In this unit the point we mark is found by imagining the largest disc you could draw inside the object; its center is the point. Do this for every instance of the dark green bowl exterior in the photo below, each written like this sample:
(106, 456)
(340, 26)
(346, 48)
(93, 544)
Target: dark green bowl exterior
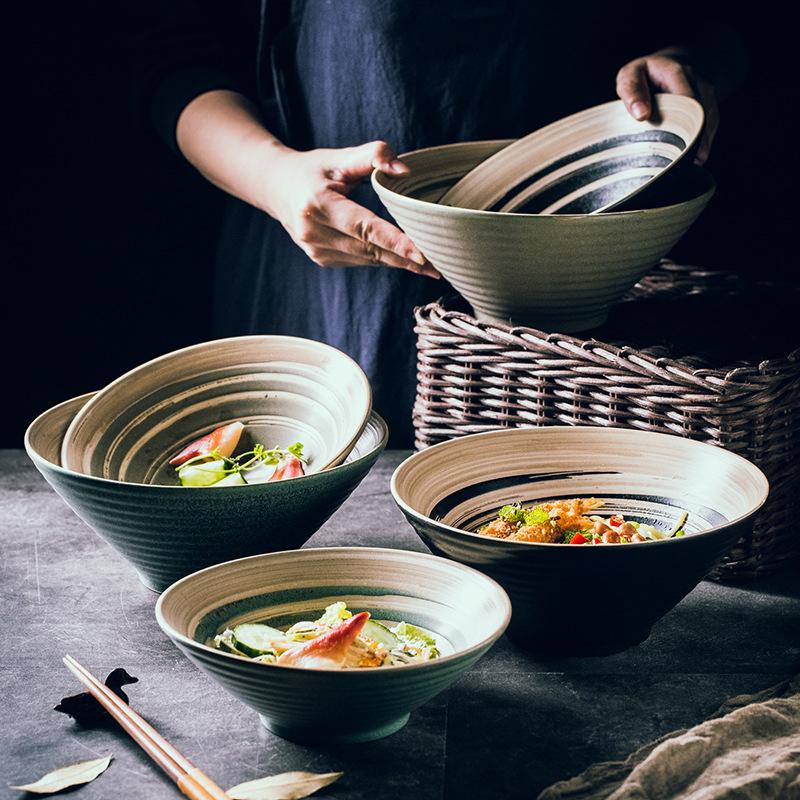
(168, 532)
(590, 600)
(359, 707)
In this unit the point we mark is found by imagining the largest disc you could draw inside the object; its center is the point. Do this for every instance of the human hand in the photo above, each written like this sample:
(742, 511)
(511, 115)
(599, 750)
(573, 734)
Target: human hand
(308, 196)
(668, 71)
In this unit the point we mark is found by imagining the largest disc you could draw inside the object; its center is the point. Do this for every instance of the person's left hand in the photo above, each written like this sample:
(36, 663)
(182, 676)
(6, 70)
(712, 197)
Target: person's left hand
(668, 71)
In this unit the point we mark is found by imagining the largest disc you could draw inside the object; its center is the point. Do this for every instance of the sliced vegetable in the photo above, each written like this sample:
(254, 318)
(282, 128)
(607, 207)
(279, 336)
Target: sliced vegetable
(206, 473)
(256, 639)
(381, 634)
(224, 641)
(221, 442)
(578, 538)
(233, 479)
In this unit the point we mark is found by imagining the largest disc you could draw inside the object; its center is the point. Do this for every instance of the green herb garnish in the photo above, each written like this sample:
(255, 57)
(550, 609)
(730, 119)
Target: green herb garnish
(536, 516)
(512, 514)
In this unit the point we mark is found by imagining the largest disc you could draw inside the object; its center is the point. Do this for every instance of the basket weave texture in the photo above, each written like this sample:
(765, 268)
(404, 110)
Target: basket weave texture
(475, 377)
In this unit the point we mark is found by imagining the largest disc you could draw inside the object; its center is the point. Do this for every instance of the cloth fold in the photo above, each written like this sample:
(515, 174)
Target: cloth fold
(749, 749)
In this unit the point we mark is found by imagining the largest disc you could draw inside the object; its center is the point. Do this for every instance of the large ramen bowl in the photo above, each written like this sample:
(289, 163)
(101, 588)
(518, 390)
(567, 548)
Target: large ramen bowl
(465, 610)
(582, 599)
(166, 532)
(556, 272)
(284, 389)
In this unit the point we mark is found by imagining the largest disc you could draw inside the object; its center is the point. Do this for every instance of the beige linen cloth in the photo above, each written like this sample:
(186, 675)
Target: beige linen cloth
(749, 750)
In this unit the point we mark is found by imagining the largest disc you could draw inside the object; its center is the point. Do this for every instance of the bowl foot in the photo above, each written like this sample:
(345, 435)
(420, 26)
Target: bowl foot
(321, 736)
(153, 587)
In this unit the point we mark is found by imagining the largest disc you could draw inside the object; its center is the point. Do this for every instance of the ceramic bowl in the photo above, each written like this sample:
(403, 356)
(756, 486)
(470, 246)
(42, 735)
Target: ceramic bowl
(285, 389)
(466, 610)
(582, 599)
(167, 532)
(585, 163)
(554, 272)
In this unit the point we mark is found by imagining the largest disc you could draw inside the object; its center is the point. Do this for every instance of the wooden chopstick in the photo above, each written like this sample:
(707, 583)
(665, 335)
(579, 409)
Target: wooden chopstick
(191, 780)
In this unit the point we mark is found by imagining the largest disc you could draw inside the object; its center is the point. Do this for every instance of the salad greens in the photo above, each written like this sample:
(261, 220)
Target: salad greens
(338, 639)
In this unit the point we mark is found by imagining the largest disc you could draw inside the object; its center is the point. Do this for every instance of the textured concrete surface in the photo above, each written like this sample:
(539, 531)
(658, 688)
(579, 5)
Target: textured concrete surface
(512, 726)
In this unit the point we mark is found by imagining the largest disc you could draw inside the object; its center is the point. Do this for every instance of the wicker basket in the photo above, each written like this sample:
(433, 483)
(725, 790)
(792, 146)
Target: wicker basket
(475, 377)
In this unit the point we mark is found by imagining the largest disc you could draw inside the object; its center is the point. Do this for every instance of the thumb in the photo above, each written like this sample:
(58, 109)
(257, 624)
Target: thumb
(354, 163)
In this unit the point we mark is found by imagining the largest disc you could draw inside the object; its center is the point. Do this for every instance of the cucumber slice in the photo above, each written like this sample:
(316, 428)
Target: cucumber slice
(381, 634)
(224, 641)
(203, 474)
(234, 479)
(256, 639)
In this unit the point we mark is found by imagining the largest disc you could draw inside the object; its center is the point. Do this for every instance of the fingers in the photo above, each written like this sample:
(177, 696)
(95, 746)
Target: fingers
(355, 235)
(355, 163)
(347, 252)
(360, 223)
(669, 75)
(348, 248)
(634, 90)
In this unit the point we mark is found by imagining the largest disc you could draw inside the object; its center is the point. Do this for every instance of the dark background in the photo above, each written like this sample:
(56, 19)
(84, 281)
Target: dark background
(110, 238)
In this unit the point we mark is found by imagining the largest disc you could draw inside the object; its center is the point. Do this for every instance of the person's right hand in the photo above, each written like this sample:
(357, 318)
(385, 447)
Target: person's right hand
(308, 196)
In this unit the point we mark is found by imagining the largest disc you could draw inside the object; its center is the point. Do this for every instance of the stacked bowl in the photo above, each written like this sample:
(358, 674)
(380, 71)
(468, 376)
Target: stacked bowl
(108, 454)
(552, 229)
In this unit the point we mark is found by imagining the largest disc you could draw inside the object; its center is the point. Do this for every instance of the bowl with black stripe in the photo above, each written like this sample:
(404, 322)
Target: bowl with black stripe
(555, 272)
(598, 159)
(168, 531)
(463, 609)
(584, 599)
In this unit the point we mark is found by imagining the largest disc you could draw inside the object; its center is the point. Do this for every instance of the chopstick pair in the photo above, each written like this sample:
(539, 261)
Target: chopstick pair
(190, 780)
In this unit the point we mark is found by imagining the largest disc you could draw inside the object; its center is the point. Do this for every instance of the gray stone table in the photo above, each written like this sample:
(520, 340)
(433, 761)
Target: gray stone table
(513, 725)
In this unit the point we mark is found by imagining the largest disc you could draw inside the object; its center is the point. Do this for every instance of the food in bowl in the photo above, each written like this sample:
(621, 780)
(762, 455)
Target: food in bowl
(569, 522)
(337, 640)
(209, 461)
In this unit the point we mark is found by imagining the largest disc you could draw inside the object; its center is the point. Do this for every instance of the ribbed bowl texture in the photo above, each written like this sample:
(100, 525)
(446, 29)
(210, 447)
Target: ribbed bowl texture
(166, 532)
(284, 388)
(582, 599)
(463, 607)
(554, 272)
(588, 162)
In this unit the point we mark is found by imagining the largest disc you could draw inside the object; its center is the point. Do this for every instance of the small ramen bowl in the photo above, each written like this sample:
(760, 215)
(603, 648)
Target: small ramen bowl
(582, 599)
(284, 388)
(166, 532)
(464, 609)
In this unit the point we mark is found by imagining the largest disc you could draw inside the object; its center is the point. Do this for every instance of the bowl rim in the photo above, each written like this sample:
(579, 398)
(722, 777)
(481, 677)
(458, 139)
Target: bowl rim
(485, 643)
(576, 429)
(36, 457)
(181, 352)
(657, 98)
(414, 203)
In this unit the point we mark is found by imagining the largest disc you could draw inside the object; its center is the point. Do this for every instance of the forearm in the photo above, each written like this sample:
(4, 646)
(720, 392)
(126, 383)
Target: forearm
(221, 135)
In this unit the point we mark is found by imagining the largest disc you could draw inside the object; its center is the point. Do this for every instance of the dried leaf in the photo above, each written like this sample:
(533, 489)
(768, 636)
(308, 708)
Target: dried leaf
(73, 775)
(86, 711)
(286, 786)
